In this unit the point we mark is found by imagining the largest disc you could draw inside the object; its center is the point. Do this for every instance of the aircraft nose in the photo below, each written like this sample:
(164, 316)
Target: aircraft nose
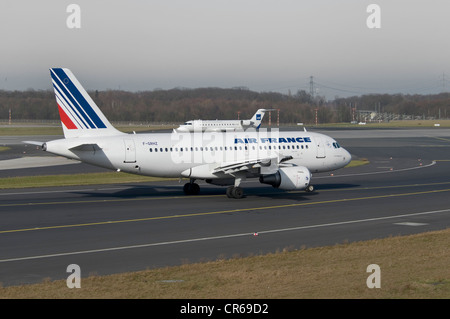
(347, 156)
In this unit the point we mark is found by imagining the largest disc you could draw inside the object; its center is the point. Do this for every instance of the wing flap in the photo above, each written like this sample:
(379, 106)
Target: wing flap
(230, 168)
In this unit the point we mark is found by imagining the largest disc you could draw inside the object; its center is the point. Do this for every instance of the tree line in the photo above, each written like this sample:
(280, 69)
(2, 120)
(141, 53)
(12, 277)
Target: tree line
(181, 104)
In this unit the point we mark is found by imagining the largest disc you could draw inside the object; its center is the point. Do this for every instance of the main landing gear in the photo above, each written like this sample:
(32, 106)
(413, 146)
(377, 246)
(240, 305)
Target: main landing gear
(235, 192)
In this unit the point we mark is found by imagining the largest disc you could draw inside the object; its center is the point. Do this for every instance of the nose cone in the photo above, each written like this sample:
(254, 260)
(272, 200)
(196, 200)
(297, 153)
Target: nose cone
(346, 156)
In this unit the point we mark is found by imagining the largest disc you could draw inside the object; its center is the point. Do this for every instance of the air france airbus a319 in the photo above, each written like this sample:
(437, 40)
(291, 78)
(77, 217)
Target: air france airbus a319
(284, 160)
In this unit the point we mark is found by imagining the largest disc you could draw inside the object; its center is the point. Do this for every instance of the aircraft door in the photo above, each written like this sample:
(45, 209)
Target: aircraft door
(130, 151)
(320, 147)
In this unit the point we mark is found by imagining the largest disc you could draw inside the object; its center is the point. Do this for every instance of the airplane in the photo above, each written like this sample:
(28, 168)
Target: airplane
(282, 159)
(223, 125)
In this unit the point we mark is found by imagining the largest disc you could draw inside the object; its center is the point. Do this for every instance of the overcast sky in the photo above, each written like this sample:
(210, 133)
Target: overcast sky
(265, 45)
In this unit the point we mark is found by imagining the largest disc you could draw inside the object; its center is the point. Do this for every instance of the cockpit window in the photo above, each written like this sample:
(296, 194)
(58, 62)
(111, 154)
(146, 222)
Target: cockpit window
(336, 145)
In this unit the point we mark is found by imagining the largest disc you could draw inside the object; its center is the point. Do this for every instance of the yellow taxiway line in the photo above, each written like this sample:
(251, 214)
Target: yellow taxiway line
(213, 212)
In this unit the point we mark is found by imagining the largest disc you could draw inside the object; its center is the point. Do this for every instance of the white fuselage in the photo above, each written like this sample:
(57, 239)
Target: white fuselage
(211, 126)
(173, 154)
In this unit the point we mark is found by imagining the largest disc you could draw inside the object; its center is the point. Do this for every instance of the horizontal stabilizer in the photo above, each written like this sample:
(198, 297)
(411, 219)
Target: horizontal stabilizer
(34, 143)
(86, 147)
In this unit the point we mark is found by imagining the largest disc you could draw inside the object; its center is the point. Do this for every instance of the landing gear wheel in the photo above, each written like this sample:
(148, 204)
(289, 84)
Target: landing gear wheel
(195, 189)
(229, 191)
(191, 189)
(309, 189)
(235, 192)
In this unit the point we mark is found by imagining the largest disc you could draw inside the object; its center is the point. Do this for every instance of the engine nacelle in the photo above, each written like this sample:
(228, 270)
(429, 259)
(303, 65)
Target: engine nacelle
(247, 123)
(288, 178)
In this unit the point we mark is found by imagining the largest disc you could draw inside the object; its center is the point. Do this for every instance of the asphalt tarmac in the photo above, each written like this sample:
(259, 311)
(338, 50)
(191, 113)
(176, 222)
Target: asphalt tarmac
(108, 229)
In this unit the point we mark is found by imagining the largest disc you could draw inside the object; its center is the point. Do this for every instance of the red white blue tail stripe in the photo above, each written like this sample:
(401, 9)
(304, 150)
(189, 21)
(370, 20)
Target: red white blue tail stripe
(80, 116)
(75, 110)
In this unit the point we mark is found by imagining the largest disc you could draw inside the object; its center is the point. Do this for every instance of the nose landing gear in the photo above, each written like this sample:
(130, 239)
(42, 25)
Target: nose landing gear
(191, 188)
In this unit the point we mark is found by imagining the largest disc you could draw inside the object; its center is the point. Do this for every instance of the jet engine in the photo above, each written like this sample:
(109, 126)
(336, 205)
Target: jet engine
(288, 178)
(247, 123)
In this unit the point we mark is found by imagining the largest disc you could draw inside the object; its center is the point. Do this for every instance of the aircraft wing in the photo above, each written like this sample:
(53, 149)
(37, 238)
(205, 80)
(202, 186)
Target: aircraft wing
(267, 164)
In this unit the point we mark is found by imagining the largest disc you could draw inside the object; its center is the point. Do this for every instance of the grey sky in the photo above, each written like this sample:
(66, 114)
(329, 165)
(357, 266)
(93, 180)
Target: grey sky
(261, 44)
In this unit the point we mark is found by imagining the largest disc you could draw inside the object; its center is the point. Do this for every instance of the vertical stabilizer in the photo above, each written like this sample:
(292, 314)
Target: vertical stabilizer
(257, 118)
(80, 116)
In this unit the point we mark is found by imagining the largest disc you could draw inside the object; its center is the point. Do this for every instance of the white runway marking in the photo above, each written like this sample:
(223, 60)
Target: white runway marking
(35, 161)
(381, 172)
(410, 224)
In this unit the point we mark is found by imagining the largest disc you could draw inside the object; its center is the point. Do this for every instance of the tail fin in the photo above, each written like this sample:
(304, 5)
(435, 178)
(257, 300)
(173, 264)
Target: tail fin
(80, 116)
(257, 118)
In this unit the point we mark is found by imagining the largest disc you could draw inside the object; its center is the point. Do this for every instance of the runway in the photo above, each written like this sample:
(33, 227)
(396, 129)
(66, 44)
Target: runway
(108, 229)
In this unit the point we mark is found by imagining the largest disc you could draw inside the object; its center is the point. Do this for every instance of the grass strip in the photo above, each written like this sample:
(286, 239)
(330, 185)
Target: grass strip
(360, 162)
(74, 179)
(414, 266)
(57, 130)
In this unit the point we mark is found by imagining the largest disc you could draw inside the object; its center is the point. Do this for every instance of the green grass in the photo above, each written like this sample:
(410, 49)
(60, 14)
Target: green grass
(360, 162)
(57, 130)
(74, 179)
(42, 130)
(392, 124)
